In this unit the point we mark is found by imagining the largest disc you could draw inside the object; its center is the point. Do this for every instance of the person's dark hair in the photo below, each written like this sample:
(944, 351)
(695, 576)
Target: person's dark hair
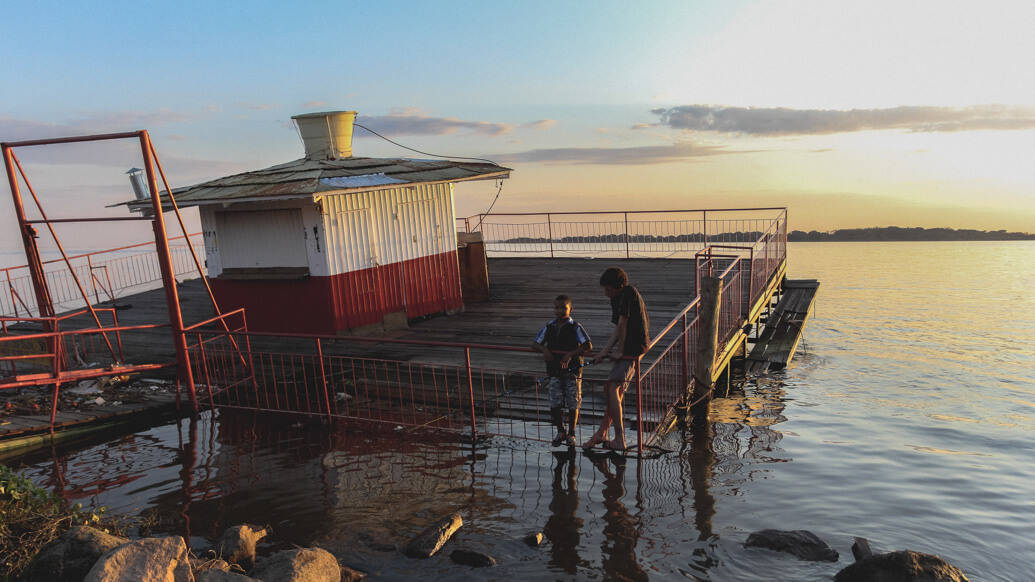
(614, 277)
(563, 298)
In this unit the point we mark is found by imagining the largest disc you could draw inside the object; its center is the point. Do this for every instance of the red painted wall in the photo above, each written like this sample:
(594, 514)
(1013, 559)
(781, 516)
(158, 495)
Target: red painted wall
(330, 304)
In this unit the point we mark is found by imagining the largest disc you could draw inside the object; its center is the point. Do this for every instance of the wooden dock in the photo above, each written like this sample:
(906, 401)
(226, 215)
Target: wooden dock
(521, 302)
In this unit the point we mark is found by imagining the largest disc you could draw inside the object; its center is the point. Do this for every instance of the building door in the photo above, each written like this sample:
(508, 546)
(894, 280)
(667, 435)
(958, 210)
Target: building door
(362, 292)
(421, 237)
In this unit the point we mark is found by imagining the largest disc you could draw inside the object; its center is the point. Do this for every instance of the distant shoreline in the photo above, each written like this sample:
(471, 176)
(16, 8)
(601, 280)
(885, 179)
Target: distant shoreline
(900, 234)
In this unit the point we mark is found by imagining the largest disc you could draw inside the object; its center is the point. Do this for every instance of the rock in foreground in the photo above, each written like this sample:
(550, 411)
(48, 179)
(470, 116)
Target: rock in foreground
(801, 543)
(301, 565)
(237, 545)
(70, 557)
(902, 566)
(158, 559)
(431, 540)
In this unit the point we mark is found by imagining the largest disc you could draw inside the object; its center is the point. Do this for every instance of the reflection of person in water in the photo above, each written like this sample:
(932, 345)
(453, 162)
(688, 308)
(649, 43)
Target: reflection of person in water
(562, 528)
(621, 530)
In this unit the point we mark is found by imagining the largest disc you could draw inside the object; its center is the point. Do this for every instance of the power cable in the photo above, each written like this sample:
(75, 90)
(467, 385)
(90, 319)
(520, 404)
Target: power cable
(420, 152)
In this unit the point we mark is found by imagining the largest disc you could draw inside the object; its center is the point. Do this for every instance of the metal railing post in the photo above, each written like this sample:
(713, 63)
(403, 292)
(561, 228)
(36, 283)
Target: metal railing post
(686, 356)
(626, 214)
(470, 392)
(204, 370)
(323, 377)
(549, 232)
(639, 408)
(172, 297)
(93, 279)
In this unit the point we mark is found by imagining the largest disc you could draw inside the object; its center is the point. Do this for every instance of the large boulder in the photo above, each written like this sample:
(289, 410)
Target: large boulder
(431, 540)
(69, 557)
(801, 543)
(901, 566)
(299, 565)
(237, 545)
(153, 559)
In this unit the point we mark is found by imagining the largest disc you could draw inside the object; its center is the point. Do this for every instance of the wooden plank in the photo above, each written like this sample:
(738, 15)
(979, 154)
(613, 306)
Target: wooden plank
(779, 340)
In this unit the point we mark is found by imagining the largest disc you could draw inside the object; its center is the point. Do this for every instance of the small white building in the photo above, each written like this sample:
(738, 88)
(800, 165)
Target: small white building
(332, 242)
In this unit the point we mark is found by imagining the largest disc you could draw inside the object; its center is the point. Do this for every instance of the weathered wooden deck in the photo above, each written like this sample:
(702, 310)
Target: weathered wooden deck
(521, 302)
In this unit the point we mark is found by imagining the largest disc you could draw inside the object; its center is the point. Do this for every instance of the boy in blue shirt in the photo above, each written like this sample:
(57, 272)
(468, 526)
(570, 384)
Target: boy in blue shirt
(562, 343)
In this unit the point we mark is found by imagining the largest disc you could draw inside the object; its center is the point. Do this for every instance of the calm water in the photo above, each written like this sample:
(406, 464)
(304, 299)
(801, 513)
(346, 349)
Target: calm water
(909, 420)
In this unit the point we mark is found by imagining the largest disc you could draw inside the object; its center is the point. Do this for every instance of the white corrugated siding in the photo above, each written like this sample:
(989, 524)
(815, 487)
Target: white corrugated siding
(382, 227)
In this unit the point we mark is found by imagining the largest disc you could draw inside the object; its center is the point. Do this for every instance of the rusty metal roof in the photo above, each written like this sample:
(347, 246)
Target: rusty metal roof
(305, 177)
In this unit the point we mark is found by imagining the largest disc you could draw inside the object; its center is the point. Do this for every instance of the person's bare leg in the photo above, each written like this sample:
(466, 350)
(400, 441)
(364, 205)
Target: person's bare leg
(605, 423)
(614, 402)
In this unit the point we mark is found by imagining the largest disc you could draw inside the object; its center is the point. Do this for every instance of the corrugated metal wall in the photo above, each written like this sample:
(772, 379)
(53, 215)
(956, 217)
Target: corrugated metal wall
(392, 250)
(370, 254)
(388, 226)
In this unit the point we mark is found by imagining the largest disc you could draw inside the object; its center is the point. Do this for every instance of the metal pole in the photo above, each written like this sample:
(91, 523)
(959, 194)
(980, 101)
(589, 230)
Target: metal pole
(639, 409)
(57, 374)
(93, 279)
(626, 214)
(470, 392)
(204, 370)
(549, 232)
(323, 376)
(10, 290)
(32, 254)
(686, 356)
(172, 298)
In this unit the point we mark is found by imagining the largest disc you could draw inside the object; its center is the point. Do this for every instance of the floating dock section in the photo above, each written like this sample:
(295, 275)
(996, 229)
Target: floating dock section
(783, 329)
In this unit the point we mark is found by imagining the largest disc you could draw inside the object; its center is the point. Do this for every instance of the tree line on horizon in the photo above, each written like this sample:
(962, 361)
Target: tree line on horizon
(898, 233)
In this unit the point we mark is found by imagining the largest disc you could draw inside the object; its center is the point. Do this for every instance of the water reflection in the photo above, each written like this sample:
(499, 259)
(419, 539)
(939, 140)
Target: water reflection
(362, 493)
(562, 528)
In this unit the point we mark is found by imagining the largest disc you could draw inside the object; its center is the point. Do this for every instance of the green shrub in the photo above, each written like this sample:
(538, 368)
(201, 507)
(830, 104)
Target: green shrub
(31, 517)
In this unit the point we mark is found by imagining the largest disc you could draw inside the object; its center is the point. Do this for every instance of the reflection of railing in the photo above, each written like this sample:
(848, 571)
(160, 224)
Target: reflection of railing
(107, 275)
(629, 234)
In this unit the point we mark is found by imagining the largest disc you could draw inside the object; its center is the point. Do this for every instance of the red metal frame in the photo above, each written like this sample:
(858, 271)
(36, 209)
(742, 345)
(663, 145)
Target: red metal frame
(235, 375)
(44, 299)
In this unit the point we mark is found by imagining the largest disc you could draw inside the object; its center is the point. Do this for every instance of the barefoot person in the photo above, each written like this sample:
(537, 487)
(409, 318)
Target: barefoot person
(629, 340)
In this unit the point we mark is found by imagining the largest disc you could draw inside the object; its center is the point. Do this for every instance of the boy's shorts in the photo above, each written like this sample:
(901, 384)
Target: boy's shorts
(565, 391)
(623, 371)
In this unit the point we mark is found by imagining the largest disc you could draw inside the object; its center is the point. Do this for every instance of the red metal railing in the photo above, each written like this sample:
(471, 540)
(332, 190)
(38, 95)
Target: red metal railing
(109, 275)
(44, 358)
(320, 376)
(327, 376)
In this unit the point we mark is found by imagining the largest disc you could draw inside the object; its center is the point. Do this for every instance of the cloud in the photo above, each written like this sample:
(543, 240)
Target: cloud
(256, 106)
(778, 121)
(617, 156)
(412, 122)
(12, 129)
(542, 124)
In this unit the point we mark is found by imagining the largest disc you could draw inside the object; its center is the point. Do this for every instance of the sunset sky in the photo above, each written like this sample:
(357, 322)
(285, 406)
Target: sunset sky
(852, 114)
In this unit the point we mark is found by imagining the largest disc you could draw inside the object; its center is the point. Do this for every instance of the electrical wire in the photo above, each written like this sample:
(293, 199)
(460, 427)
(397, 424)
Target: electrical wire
(499, 188)
(481, 217)
(420, 152)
